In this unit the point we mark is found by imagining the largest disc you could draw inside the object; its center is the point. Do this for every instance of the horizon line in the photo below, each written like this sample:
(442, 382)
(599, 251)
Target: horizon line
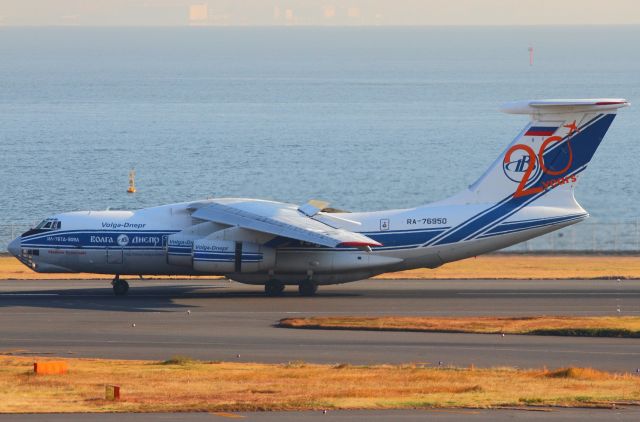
(196, 26)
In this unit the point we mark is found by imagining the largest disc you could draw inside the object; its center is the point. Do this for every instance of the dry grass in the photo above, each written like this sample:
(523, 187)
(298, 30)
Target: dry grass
(617, 326)
(531, 267)
(198, 386)
(482, 267)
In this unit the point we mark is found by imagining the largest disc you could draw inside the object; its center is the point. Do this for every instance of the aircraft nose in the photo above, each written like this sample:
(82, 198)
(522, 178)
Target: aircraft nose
(14, 247)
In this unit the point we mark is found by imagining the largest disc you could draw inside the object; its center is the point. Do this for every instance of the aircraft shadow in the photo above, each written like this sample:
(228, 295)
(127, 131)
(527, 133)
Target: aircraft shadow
(140, 298)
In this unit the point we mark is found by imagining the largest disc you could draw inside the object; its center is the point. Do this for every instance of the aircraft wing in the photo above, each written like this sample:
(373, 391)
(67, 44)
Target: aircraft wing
(280, 219)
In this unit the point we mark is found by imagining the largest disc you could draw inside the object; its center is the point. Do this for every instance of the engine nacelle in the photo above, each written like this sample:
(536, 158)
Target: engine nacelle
(323, 261)
(179, 250)
(179, 247)
(226, 256)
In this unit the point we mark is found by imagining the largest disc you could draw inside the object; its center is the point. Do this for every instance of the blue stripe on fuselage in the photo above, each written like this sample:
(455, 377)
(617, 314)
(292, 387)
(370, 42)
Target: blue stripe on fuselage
(87, 239)
(225, 257)
(402, 238)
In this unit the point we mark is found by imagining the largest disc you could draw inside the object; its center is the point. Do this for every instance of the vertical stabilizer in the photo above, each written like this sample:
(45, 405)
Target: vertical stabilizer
(550, 153)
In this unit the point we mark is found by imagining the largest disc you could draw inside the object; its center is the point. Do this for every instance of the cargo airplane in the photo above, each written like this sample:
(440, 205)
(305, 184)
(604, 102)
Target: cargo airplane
(527, 191)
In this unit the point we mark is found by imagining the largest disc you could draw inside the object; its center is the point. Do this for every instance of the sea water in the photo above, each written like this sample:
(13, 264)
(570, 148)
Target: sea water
(366, 118)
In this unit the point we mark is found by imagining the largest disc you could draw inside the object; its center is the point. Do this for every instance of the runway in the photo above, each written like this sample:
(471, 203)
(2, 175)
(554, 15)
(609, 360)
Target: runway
(221, 320)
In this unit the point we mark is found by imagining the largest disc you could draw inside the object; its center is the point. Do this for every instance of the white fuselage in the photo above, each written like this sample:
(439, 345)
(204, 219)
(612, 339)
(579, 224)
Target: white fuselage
(136, 242)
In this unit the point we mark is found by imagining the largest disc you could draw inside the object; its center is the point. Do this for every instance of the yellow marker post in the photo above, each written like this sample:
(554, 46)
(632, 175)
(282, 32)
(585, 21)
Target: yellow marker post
(132, 181)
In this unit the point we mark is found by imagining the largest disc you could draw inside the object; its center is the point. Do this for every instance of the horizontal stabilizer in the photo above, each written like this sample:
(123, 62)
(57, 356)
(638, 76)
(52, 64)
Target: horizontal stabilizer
(563, 106)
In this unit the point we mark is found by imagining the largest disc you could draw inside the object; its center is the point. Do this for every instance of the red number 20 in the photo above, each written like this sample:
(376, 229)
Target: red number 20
(521, 190)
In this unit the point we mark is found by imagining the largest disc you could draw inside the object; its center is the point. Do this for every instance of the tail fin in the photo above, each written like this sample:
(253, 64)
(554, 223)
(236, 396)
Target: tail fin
(549, 154)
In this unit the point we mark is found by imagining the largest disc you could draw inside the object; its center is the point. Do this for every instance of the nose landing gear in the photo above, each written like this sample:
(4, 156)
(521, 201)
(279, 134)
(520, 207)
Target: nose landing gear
(120, 287)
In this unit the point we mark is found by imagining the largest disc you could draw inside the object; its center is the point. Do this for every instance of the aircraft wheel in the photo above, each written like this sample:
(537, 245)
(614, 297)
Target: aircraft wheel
(274, 288)
(307, 288)
(120, 287)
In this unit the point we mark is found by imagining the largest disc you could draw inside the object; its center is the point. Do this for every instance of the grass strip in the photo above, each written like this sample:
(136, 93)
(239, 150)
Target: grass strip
(604, 326)
(494, 266)
(191, 385)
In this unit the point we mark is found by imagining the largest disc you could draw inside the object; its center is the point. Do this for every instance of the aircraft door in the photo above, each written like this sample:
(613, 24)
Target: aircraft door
(114, 256)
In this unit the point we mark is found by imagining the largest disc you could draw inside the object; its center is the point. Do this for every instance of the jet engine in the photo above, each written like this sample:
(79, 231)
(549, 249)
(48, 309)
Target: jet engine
(227, 256)
(179, 250)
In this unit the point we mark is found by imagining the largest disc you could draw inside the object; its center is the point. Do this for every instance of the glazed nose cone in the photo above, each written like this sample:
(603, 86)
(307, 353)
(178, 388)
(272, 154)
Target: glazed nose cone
(14, 247)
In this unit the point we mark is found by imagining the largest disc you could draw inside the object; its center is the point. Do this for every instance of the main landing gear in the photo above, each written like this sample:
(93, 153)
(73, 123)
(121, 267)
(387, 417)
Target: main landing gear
(120, 287)
(307, 288)
(274, 288)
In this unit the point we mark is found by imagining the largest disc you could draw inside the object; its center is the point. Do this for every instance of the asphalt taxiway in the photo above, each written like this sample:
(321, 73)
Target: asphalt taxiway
(221, 320)
(541, 414)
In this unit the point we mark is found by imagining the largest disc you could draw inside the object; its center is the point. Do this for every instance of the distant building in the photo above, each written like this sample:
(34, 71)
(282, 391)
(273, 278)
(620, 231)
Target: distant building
(288, 15)
(353, 12)
(198, 14)
(329, 12)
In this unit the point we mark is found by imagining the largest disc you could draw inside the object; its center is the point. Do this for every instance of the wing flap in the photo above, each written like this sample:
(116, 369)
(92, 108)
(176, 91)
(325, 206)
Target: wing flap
(281, 220)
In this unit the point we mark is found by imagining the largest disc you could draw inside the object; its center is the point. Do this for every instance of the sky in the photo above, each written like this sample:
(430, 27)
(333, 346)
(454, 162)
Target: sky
(317, 12)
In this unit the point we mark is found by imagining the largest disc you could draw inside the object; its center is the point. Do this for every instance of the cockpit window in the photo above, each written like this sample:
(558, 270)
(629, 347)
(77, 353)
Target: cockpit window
(49, 224)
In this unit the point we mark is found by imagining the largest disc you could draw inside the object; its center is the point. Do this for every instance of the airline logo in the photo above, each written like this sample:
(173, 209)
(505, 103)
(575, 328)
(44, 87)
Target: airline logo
(123, 240)
(519, 164)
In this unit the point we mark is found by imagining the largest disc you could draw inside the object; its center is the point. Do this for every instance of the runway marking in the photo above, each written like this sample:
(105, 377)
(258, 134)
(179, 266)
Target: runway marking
(455, 411)
(436, 295)
(228, 415)
(626, 293)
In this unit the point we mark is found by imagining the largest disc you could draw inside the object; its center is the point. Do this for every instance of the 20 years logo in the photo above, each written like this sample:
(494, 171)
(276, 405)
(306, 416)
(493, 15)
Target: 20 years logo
(522, 164)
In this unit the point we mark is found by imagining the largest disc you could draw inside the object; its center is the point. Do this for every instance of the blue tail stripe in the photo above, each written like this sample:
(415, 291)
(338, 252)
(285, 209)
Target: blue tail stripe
(527, 224)
(583, 144)
(484, 236)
